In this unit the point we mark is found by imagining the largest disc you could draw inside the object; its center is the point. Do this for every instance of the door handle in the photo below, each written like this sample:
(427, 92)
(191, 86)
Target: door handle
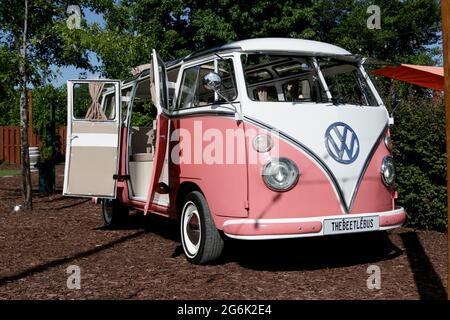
(73, 137)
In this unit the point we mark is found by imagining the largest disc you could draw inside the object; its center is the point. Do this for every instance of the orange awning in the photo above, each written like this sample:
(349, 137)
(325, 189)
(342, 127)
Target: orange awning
(424, 76)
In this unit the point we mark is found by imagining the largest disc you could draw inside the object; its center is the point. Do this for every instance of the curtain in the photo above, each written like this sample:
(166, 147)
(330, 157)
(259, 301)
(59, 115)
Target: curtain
(95, 111)
(153, 85)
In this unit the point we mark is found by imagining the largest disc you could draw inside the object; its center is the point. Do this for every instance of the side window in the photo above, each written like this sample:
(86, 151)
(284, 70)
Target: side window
(163, 86)
(265, 93)
(94, 101)
(188, 87)
(203, 96)
(297, 90)
(143, 112)
(109, 106)
(193, 94)
(172, 76)
(126, 98)
(226, 71)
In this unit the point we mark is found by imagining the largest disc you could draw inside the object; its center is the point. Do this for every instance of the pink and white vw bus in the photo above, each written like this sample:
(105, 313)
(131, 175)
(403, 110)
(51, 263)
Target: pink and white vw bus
(257, 139)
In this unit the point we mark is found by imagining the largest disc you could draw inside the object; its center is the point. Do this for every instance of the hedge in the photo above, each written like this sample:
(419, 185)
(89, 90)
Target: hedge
(421, 161)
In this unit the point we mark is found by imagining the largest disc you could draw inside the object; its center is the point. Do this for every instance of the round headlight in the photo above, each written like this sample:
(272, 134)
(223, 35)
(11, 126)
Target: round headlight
(388, 171)
(388, 142)
(280, 174)
(262, 143)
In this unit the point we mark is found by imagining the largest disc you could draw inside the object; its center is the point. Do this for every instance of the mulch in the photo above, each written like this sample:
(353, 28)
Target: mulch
(144, 260)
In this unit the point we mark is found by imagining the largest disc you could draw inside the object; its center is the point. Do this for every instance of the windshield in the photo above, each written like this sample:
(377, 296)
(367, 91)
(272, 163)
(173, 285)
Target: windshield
(298, 79)
(346, 83)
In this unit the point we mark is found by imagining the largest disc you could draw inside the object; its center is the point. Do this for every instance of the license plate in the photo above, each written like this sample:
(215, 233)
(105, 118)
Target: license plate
(351, 225)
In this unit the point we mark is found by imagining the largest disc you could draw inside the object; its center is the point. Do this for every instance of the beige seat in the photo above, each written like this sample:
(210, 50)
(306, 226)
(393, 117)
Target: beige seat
(142, 157)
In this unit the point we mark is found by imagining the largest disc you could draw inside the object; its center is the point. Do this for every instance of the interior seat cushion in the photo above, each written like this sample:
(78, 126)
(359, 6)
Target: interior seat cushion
(142, 157)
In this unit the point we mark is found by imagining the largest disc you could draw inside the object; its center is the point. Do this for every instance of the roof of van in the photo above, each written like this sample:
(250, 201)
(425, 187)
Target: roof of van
(298, 46)
(287, 44)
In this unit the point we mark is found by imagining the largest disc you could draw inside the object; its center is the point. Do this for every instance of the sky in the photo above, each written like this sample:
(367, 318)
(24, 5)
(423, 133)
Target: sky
(68, 73)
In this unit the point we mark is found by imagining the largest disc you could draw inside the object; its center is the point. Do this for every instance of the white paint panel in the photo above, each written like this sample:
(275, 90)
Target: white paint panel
(308, 123)
(287, 44)
(95, 140)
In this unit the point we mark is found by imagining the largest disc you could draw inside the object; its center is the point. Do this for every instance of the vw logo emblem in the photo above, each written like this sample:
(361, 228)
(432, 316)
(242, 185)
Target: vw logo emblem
(342, 143)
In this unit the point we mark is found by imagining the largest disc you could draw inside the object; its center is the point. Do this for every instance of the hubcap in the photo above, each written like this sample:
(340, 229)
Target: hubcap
(191, 228)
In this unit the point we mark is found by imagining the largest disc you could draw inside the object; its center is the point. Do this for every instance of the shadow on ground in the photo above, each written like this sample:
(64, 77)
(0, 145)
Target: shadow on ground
(58, 262)
(285, 255)
(312, 253)
(428, 283)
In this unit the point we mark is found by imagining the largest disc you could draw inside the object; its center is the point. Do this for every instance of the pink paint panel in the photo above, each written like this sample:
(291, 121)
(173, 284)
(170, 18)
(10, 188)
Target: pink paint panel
(373, 195)
(255, 229)
(313, 195)
(393, 219)
(206, 161)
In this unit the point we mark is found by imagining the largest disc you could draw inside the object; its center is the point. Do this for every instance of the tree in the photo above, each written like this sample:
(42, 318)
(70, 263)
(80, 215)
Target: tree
(133, 28)
(178, 27)
(37, 36)
(23, 79)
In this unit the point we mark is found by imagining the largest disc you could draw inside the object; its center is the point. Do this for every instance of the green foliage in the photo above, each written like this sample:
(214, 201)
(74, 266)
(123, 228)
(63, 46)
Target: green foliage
(9, 99)
(141, 120)
(420, 157)
(406, 27)
(178, 27)
(4, 173)
(81, 100)
(143, 114)
(43, 99)
(9, 109)
(50, 41)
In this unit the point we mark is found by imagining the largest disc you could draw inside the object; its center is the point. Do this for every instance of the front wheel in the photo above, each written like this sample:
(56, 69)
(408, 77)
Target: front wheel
(202, 242)
(114, 214)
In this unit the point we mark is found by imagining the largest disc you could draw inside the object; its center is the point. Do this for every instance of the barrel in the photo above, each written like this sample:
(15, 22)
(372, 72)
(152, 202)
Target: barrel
(34, 158)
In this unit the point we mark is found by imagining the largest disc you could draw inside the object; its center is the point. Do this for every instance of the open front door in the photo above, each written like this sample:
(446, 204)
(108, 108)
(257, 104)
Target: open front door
(159, 91)
(93, 138)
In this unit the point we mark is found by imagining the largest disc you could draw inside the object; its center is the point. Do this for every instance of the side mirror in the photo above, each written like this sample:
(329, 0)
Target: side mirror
(212, 81)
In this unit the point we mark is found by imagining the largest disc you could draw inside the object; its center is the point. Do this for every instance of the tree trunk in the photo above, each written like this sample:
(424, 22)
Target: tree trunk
(26, 175)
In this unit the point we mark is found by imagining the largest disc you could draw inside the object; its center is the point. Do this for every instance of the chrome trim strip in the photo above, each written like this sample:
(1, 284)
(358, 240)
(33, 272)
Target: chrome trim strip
(200, 113)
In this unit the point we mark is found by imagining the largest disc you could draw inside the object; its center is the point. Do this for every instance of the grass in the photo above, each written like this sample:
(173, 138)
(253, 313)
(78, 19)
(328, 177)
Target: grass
(9, 172)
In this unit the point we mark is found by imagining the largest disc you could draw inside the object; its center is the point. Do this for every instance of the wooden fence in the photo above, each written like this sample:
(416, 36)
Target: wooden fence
(10, 143)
